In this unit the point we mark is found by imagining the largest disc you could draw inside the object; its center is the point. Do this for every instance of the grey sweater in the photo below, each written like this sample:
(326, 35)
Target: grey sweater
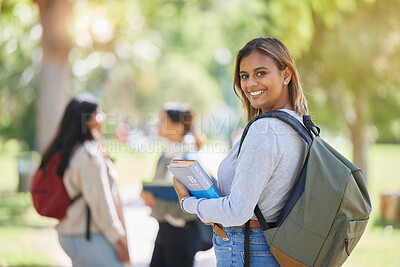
(265, 171)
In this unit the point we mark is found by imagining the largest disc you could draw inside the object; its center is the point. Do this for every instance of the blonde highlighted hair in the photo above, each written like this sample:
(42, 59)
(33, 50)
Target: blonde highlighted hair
(274, 49)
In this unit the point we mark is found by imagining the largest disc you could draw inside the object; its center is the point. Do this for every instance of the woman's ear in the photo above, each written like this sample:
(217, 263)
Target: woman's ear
(287, 75)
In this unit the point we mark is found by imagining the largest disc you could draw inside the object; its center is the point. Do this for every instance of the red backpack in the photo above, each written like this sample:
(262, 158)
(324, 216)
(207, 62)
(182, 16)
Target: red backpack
(49, 196)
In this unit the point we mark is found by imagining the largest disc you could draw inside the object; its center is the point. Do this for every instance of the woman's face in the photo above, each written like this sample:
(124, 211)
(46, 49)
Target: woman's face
(96, 121)
(263, 83)
(169, 129)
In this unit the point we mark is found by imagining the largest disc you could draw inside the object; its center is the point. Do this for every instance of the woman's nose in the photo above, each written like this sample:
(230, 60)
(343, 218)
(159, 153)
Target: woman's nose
(252, 82)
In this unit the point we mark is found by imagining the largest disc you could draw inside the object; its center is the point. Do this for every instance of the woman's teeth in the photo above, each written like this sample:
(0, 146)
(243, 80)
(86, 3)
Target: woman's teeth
(256, 93)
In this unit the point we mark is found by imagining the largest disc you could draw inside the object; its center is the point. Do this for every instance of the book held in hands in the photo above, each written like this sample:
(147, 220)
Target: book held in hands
(192, 175)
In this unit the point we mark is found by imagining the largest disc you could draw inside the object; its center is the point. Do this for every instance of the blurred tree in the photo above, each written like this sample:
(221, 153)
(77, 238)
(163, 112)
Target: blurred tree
(150, 39)
(352, 67)
(135, 55)
(53, 91)
(134, 64)
(20, 58)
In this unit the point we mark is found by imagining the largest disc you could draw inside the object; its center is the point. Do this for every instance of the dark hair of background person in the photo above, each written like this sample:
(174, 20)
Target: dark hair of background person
(276, 50)
(183, 114)
(72, 130)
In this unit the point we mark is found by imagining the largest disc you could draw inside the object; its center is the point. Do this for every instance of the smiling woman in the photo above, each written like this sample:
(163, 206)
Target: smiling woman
(265, 79)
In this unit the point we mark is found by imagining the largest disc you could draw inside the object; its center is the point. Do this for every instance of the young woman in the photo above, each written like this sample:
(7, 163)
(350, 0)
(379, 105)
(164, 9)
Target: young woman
(265, 79)
(178, 237)
(89, 176)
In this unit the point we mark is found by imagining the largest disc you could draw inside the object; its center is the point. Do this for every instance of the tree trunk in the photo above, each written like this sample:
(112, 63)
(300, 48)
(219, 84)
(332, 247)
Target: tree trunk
(359, 139)
(53, 92)
(359, 134)
(355, 114)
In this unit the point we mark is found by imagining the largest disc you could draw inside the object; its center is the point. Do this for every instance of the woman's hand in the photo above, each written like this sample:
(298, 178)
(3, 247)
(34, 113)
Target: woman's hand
(122, 250)
(180, 189)
(148, 198)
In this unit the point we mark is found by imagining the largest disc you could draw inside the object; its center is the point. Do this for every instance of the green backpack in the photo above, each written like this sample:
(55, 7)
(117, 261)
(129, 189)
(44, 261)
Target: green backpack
(327, 210)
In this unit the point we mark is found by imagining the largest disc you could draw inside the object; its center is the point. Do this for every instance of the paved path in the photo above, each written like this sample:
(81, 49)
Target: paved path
(142, 231)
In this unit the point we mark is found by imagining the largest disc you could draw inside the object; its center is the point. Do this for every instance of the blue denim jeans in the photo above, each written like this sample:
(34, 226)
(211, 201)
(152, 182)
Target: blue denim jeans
(230, 253)
(97, 252)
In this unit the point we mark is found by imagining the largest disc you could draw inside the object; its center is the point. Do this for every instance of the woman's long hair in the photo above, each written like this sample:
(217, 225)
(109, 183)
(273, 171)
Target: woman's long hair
(274, 49)
(183, 114)
(72, 130)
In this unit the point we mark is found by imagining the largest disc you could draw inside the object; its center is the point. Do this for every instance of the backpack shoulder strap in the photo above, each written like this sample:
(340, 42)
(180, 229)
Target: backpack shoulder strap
(305, 131)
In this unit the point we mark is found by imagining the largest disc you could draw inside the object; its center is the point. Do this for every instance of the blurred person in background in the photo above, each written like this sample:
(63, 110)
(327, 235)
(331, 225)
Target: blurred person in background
(179, 237)
(93, 231)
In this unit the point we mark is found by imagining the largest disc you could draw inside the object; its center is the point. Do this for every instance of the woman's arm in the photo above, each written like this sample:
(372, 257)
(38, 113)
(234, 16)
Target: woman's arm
(259, 156)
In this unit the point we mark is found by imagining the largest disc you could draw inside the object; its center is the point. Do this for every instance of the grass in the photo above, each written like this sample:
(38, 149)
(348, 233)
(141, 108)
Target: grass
(133, 167)
(9, 176)
(20, 224)
(22, 231)
(379, 245)
(19, 247)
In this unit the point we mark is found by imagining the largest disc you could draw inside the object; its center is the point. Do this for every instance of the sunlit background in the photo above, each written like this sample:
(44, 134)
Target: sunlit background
(136, 55)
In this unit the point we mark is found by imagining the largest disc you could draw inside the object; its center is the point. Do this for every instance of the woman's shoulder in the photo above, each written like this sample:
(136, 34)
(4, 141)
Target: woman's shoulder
(264, 126)
(87, 153)
(93, 148)
(273, 125)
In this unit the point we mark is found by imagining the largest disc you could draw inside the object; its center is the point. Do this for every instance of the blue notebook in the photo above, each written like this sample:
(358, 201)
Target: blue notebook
(161, 189)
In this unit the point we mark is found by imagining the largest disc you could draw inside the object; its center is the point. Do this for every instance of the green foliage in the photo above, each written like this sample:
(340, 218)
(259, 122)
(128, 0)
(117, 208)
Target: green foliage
(9, 169)
(147, 52)
(13, 208)
(348, 63)
(135, 55)
(20, 57)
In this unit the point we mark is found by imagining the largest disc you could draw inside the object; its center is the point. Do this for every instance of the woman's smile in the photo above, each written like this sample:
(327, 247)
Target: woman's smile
(257, 93)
